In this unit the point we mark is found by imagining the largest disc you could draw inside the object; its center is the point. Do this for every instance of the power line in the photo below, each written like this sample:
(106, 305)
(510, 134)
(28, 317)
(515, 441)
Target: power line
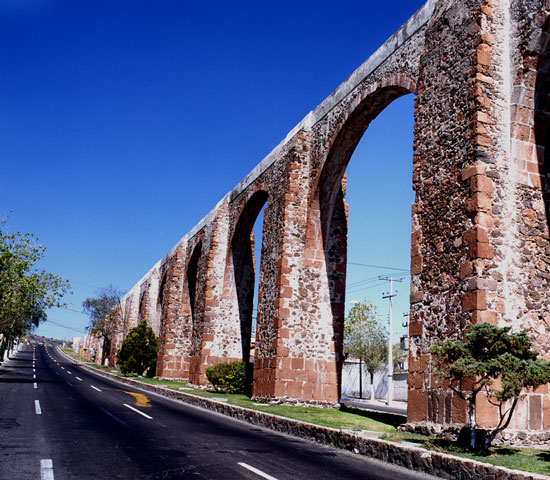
(65, 326)
(378, 266)
(71, 310)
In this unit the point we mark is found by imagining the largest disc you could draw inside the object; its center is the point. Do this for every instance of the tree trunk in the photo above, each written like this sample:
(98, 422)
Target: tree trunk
(472, 412)
(372, 385)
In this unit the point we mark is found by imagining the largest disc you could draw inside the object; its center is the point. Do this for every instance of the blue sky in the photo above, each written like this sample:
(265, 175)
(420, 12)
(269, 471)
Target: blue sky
(123, 122)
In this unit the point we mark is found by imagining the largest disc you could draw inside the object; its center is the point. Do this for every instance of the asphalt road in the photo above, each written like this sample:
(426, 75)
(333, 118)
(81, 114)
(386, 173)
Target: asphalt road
(57, 421)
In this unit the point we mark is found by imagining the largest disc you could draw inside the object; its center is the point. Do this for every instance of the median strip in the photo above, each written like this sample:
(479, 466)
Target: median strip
(256, 471)
(137, 411)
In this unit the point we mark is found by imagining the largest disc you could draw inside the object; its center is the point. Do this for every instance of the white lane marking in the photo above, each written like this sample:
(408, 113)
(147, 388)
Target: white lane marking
(70, 373)
(33, 377)
(62, 368)
(68, 383)
(113, 417)
(46, 469)
(35, 385)
(78, 378)
(256, 471)
(137, 411)
(95, 388)
(37, 408)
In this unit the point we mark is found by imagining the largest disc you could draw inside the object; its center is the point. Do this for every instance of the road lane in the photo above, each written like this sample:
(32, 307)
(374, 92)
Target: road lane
(93, 433)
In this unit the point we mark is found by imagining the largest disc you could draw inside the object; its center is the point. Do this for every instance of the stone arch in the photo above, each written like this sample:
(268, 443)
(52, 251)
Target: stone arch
(328, 214)
(244, 268)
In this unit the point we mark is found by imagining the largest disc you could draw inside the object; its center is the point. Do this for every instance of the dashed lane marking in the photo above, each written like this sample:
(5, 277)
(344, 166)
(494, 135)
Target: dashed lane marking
(46, 469)
(95, 388)
(106, 412)
(35, 385)
(70, 373)
(78, 378)
(137, 411)
(256, 471)
(37, 408)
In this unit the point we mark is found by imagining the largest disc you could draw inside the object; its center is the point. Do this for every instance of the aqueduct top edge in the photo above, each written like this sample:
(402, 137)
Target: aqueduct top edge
(407, 30)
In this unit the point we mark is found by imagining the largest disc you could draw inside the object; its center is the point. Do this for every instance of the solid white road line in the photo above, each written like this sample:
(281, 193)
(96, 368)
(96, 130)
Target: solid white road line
(46, 469)
(113, 417)
(256, 471)
(37, 408)
(35, 385)
(68, 383)
(137, 411)
(95, 388)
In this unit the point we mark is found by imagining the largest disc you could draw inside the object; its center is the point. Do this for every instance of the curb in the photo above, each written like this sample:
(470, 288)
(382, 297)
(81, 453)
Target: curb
(413, 458)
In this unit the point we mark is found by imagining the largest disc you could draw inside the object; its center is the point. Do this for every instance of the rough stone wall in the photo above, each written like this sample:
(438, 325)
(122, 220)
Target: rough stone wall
(482, 157)
(480, 247)
(445, 213)
(530, 153)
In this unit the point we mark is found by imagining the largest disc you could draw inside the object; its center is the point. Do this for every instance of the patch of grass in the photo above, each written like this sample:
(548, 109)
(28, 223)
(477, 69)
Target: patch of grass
(174, 385)
(526, 459)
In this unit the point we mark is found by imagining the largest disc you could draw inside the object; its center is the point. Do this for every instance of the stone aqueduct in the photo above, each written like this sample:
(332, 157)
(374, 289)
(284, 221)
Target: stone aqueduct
(480, 249)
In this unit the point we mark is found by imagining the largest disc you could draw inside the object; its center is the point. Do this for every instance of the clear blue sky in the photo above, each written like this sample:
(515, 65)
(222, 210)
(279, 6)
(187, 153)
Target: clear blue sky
(123, 122)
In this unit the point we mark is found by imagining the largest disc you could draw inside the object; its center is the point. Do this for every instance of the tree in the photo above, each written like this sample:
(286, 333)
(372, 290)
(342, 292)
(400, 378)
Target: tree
(366, 339)
(25, 291)
(490, 353)
(105, 314)
(138, 353)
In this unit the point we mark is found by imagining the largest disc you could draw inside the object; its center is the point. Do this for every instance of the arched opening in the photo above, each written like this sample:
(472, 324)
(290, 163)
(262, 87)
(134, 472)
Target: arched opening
(160, 312)
(192, 273)
(542, 114)
(349, 233)
(161, 300)
(141, 308)
(246, 258)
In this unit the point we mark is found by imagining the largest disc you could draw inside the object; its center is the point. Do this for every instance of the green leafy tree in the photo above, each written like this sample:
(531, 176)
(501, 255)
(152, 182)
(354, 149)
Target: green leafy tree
(138, 353)
(366, 339)
(490, 353)
(26, 293)
(105, 314)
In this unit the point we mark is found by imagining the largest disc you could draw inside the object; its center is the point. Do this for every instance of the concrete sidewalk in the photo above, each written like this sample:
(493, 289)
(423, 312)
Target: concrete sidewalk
(395, 407)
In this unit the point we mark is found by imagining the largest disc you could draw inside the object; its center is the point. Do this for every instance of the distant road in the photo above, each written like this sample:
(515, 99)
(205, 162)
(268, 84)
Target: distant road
(57, 421)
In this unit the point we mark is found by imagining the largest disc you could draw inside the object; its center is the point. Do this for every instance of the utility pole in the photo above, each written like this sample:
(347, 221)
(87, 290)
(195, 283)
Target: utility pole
(390, 343)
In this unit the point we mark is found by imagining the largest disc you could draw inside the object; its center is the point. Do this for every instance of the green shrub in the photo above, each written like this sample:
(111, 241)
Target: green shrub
(229, 377)
(138, 353)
